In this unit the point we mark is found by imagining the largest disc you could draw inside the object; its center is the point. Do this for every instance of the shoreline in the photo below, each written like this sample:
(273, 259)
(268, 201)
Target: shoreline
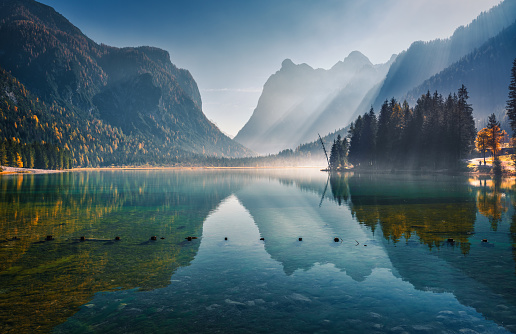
(33, 171)
(472, 169)
(20, 171)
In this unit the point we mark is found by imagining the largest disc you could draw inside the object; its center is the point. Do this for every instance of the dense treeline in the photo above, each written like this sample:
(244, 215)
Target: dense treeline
(338, 154)
(511, 104)
(34, 155)
(437, 133)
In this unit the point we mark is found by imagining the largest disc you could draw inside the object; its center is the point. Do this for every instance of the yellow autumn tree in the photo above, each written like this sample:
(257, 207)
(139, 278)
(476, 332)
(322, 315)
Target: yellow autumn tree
(19, 161)
(481, 142)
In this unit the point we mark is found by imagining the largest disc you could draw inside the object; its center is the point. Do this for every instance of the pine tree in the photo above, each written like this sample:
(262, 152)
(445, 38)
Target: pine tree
(368, 138)
(355, 142)
(495, 136)
(342, 151)
(432, 131)
(449, 130)
(411, 142)
(465, 123)
(338, 154)
(511, 104)
(3, 153)
(334, 156)
(383, 136)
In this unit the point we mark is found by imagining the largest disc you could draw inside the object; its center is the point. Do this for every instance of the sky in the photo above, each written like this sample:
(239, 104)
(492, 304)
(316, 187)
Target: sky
(232, 47)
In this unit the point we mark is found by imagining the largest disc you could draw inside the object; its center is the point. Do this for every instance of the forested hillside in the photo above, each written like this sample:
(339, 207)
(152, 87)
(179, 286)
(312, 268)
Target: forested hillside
(105, 105)
(425, 59)
(485, 71)
(26, 120)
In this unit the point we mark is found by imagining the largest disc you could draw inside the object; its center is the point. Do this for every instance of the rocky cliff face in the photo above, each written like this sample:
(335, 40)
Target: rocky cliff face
(138, 90)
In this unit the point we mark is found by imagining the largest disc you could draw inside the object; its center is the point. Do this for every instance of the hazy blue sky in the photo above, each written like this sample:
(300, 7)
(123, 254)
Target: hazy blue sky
(231, 47)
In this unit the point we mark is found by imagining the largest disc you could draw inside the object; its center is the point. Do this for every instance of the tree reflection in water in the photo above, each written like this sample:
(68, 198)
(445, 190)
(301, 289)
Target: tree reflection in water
(432, 210)
(435, 213)
(42, 283)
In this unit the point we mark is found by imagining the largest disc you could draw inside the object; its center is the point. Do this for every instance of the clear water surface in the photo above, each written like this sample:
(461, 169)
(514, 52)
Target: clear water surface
(394, 268)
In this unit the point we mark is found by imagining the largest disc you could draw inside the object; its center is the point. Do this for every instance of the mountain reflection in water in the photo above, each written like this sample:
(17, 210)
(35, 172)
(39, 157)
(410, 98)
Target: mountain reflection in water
(246, 284)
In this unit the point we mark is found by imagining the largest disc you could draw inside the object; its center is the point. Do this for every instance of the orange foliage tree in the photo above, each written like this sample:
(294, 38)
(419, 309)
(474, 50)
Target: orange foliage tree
(490, 138)
(481, 142)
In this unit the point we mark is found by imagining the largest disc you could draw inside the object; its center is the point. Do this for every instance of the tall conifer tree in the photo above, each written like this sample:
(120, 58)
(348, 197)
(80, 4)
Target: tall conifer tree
(466, 131)
(495, 136)
(511, 104)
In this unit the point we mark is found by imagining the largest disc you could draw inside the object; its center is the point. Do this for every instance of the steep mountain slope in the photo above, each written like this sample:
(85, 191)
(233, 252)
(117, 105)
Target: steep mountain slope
(136, 90)
(425, 59)
(26, 119)
(340, 110)
(298, 102)
(485, 72)
(282, 92)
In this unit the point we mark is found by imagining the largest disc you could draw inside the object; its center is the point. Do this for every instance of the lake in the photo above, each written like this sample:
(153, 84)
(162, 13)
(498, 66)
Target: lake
(354, 253)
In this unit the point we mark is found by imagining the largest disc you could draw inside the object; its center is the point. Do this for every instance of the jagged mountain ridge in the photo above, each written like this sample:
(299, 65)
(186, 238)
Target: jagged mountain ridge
(60, 65)
(407, 77)
(298, 102)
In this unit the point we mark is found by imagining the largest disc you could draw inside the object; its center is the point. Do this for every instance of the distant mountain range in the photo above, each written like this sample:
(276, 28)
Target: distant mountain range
(298, 102)
(150, 108)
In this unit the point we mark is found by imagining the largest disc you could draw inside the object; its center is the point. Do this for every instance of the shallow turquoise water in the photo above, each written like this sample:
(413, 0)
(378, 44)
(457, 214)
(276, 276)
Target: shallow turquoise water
(393, 269)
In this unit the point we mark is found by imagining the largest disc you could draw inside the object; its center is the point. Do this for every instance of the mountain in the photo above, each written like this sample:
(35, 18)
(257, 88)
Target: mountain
(298, 102)
(137, 91)
(349, 98)
(425, 59)
(485, 72)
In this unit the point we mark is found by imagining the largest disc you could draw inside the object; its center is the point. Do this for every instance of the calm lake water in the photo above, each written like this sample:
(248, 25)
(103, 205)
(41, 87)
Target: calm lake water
(393, 269)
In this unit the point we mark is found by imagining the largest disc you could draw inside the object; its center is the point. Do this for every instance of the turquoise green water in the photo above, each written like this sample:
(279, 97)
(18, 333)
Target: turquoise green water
(393, 269)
